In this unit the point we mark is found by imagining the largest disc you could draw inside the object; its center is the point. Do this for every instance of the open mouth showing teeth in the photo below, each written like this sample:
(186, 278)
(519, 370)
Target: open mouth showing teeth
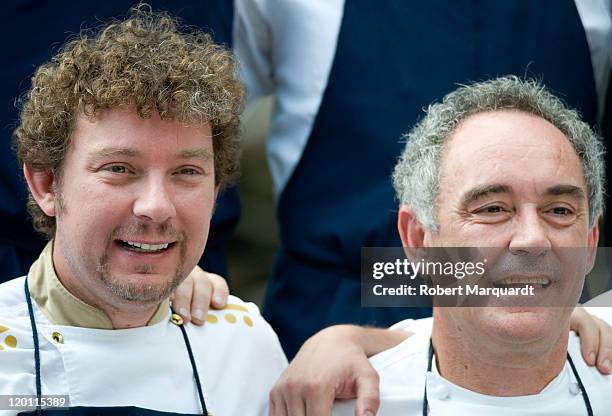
(143, 247)
(538, 282)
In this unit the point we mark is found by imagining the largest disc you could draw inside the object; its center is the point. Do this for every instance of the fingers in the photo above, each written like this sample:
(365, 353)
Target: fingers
(368, 394)
(220, 290)
(272, 407)
(181, 299)
(202, 293)
(604, 355)
(209, 289)
(319, 398)
(277, 403)
(314, 380)
(295, 405)
(595, 339)
(193, 297)
(588, 330)
(297, 398)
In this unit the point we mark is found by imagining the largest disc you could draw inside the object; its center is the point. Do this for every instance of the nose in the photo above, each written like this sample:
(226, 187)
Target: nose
(154, 202)
(529, 234)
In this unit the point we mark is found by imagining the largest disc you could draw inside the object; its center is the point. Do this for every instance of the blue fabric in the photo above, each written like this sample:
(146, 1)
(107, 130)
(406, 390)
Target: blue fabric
(32, 31)
(392, 59)
(102, 411)
(607, 135)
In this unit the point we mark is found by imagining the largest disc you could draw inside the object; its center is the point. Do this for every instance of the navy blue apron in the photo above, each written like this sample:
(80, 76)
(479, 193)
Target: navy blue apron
(607, 135)
(392, 59)
(105, 411)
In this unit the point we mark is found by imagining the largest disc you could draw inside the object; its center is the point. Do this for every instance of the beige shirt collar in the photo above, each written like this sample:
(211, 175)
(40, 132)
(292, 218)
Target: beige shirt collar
(63, 308)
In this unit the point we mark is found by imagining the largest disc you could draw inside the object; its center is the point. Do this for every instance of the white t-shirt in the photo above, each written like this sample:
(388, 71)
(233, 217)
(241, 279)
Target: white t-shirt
(403, 374)
(237, 353)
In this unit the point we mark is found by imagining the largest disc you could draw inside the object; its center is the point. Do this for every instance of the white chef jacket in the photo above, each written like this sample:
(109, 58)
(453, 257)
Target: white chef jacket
(237, 354)
(403, 374)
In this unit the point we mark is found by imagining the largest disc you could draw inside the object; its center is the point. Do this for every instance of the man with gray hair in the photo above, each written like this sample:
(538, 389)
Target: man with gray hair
(501, 164)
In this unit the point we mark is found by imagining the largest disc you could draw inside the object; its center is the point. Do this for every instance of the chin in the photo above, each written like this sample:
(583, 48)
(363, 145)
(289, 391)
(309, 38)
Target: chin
(143, 288)
(525, 326)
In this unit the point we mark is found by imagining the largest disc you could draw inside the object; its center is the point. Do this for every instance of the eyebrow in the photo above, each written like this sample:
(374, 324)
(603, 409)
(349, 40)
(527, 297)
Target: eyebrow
(569, 190)
(110, 151)
(114, 151)
(479, 192)
(200, 153)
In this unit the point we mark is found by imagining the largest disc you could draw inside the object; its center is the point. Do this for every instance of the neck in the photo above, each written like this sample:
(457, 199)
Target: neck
(123, 320)
(122, 314)
(489, 366)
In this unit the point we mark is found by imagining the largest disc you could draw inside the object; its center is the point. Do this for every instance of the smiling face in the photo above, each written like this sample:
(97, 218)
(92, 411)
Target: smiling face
(513, 181)
(133, 207)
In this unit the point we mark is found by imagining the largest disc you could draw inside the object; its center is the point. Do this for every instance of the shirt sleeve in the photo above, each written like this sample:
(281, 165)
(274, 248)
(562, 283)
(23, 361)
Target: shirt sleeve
(252, 39)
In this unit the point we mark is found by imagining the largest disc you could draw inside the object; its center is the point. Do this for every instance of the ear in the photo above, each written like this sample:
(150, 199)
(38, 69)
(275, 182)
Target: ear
(592, 242)
(41, 187)
(214, 208)
(411, 231)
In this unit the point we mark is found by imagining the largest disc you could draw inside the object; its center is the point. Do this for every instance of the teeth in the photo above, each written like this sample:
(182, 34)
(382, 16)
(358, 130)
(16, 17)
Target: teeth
(147, 247)
(526, 280)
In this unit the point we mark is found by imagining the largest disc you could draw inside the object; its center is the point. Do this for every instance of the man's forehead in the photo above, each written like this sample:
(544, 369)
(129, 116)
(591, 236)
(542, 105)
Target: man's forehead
(507, 136)
(122, 131)
(127, 114)
(506, 127)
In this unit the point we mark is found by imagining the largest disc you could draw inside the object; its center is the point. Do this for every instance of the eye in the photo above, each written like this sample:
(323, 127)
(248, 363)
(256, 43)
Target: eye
(117, 169)
(493, 209)
(188, 171)
(490, 209)
(561, 214)
(492, 213)
(561, 211)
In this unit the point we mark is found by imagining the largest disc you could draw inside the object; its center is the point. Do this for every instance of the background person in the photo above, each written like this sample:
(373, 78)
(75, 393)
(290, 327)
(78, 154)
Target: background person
(349, 78)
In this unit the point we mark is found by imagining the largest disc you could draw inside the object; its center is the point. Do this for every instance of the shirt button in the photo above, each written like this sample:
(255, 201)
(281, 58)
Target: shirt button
(176, 319)
(440, 392)
(444, 393)
(57, 337)
(574, 388)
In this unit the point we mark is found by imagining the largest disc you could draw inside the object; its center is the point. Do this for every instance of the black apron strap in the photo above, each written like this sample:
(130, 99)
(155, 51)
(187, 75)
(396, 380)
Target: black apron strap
(585, 396)
(36, 345)
(194, 367)
(430, 356)
(117, 410)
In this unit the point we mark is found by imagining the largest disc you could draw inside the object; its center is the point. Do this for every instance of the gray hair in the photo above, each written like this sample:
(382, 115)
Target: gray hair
(416, 177)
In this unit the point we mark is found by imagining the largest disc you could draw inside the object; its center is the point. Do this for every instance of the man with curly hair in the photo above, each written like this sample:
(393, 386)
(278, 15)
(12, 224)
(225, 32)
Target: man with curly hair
(126, 137)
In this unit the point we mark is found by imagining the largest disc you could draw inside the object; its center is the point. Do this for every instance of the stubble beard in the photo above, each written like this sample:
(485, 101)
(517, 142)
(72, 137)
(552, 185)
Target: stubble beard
(141, 292)
(131, 291)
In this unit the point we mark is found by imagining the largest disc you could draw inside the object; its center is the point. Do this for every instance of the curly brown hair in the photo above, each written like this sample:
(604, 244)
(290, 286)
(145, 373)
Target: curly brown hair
(148, 61)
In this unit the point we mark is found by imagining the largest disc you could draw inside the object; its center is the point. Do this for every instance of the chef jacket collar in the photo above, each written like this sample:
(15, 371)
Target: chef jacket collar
(63, 308)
